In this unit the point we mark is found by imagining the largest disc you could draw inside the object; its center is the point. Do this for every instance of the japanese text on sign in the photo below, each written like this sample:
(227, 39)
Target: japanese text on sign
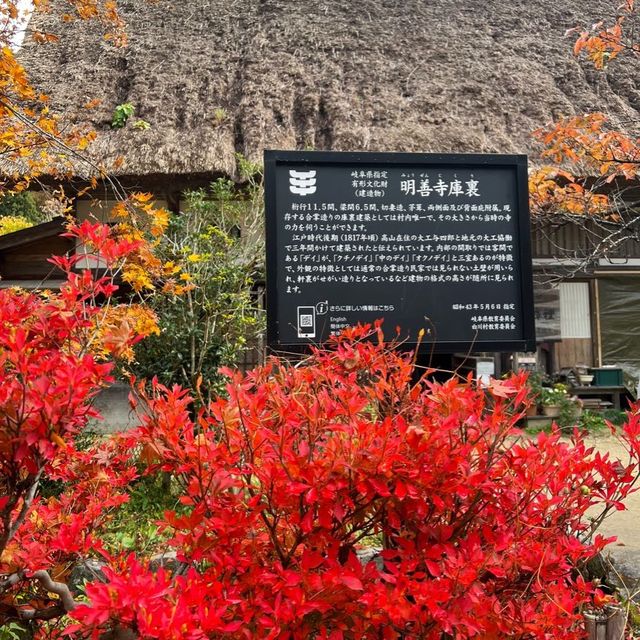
(423, 245)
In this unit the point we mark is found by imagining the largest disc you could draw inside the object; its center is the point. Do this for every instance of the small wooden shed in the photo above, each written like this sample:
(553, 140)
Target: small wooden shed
(24, 255)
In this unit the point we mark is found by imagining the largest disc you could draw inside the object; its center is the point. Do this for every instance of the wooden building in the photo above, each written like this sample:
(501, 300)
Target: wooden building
(24, 256)
(586, 313)
(212, 79)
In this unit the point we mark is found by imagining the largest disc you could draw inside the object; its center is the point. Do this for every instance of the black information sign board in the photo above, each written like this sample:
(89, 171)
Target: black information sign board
(425, 241)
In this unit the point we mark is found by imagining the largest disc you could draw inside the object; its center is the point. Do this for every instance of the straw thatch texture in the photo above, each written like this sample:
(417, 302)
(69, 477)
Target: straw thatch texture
(214, 77)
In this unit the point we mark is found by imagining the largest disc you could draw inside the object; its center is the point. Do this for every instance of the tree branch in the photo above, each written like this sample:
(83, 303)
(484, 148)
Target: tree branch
(59, 588)
(11, 581)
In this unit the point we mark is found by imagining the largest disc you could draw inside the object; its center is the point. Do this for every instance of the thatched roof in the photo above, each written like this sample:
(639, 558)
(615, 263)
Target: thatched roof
(214, 77)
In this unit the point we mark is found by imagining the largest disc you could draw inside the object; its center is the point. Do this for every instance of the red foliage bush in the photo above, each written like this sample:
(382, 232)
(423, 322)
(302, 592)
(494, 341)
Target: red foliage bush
(482, 533)
(477, 531)
(54, 358)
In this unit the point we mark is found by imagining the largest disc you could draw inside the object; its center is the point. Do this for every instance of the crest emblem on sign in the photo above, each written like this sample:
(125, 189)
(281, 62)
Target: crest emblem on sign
(302, 183)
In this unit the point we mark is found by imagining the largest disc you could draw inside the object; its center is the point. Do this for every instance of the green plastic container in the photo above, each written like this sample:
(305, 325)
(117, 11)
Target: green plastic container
(607, 377)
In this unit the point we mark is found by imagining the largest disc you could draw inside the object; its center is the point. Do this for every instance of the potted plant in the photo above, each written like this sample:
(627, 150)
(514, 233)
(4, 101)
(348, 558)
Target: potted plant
(552, 399)
(584, 377)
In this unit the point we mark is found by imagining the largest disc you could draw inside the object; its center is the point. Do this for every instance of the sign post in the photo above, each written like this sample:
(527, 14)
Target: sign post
(424, 241)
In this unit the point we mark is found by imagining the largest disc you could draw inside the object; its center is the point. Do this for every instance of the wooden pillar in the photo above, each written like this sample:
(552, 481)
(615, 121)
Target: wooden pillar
(173, 202)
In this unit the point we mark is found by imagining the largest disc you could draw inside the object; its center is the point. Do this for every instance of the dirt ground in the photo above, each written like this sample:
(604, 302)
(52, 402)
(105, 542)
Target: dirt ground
(625, 525)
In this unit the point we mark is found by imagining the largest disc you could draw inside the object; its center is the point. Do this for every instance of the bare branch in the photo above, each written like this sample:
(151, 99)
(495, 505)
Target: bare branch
(10, 531)
(11, 580)
(59, 588)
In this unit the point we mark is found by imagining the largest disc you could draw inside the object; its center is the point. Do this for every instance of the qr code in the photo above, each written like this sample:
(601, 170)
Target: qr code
(306, 320)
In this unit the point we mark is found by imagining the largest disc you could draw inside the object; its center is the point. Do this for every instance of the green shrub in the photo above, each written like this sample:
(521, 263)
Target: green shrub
(133, 526)
(615, 416)
(9, 224)
(592, 421)
(22, 205)
(218, 241)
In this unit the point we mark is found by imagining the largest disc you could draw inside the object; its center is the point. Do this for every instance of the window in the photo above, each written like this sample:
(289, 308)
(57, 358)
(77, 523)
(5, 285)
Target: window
(575, 312)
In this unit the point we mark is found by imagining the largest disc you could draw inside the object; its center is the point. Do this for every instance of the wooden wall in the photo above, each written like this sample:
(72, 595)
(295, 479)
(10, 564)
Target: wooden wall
(29, 261)
(572, 351)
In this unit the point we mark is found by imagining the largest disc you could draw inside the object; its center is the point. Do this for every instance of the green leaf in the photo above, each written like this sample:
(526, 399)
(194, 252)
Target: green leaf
(121, 114)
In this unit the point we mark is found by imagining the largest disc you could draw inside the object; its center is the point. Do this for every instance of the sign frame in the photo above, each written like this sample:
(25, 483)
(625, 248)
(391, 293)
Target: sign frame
(354, 159)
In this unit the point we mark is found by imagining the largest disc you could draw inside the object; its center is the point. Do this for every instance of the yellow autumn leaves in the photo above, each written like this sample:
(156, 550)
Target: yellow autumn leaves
(143, 224)
(116, 326)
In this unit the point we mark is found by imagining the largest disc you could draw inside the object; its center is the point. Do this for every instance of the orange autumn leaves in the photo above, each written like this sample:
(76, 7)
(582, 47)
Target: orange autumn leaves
(119, 328)
(126, 249)
(35, 142)
(106, 11)
(580, 146)
(588, 145)
(141, 223)
(602, 43)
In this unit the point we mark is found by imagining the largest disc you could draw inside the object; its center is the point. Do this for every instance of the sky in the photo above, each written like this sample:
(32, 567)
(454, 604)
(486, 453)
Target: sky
(24, 6)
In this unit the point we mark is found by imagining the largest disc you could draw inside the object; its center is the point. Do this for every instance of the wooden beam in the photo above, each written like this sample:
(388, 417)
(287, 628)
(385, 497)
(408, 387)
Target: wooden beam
(31, 234)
